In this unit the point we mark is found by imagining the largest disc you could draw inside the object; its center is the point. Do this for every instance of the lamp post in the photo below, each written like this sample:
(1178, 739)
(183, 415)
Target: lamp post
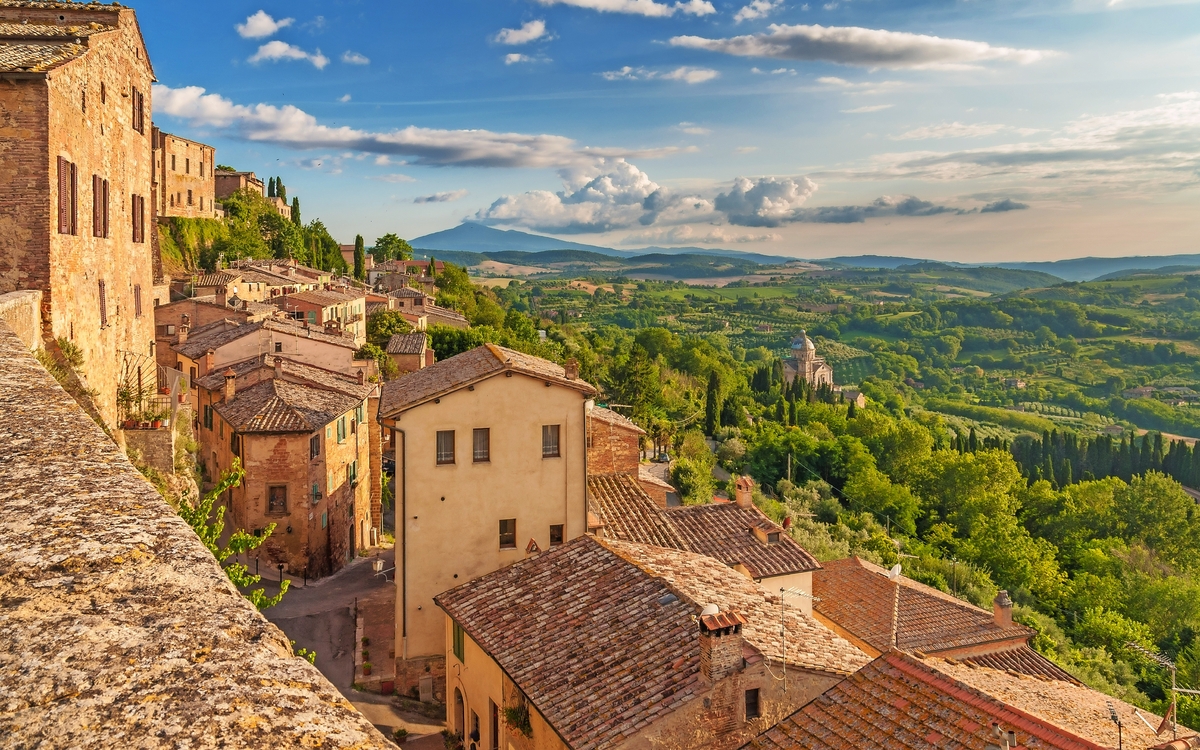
(280, 566)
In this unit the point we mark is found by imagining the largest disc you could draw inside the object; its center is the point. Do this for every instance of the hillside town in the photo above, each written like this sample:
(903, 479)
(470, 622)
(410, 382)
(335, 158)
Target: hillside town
(524, 567)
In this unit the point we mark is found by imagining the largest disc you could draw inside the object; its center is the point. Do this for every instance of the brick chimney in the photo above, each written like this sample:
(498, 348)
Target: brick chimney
(720, 643)
(1002, 607)
(182, 333)
(572, 369)
(230, 384)
(743, 496)
(361, 377)
(208, 361)
(279, 368)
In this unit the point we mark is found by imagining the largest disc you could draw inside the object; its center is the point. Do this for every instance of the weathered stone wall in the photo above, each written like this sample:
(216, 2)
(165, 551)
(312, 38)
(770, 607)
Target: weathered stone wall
(182, 166)
(119, 628)
(22, 311)
(157, 447)
(612, 449)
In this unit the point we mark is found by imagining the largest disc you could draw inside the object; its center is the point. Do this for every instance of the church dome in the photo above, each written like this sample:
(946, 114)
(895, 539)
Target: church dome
(803, 342)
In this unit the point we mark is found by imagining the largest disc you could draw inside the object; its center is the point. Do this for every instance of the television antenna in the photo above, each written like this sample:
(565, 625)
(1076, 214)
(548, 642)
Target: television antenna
(1168, 665)
(783, 595)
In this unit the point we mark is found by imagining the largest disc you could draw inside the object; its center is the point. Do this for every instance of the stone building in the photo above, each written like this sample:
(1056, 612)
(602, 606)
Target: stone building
(614, 443)
(343, 309)
(804, 363)
(416, 304)
(184, 185)
(489, 454)
(226, 183)
(76, 212)
(607, 644)
(302, 435)
(410, 351)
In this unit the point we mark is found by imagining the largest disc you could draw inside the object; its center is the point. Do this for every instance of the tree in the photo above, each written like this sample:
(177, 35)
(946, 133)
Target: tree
(382, 325)
(296, 212)
(360, 261)
(383, 360)
(280, 190)
(712, 403)
(391, 247)
(271, 188)
(199, 515)
(637, 384)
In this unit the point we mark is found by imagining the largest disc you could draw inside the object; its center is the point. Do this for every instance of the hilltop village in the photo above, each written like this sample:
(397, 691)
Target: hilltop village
(564, 567)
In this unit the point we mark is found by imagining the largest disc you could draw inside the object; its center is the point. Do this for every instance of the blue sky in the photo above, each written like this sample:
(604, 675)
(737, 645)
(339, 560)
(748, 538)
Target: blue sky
(955, 129)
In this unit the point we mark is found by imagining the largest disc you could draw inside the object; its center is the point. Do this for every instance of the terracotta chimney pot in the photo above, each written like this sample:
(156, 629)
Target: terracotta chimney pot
(1002, 607)
(743, 494)
(230, 384)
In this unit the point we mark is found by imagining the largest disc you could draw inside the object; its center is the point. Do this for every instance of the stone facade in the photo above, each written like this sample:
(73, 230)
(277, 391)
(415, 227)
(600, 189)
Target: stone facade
(184, 185)
(22, 311)
(228, 183)
(156, 446)
(84, 116)
(806, 365)
(614, 444)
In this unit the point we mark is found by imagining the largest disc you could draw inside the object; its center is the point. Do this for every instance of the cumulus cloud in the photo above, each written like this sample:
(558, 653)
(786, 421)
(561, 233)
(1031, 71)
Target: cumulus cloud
(277, 50)
(852, 45)
(260, 25)
(445, 197)
(692, 128)
(529, 32)
(766, 202)
(866, 109)
(294, 128)
(756, 9)
(513, 58)
(1001, 206)
(355, 58)
(394, 178)
(344, 98)
(697, 235)
(641, 7)
(684, 73)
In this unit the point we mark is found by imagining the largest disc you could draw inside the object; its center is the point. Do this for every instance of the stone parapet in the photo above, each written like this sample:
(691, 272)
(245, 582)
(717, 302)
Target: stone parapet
(22, 311)
(119, 628)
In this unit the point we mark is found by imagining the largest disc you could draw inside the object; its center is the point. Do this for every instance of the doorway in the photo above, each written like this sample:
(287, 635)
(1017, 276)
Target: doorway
(460, 718)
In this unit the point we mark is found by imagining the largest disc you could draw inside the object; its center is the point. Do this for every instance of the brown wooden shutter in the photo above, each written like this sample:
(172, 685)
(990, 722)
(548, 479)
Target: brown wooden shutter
(64, 196)
(137, 300)
(104, 208)
(103, 306)
(96, 197)
(74, 191)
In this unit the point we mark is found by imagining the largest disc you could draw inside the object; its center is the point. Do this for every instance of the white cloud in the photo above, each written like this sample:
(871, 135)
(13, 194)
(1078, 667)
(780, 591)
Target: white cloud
(344, 98)
(277, 50)
(394, 178)
(746, 149)
(851, 45)
(951, 130)
(355, 58)
(866, 109)
(641, 7)
(513, 58)
(446, 197)
(692, 128)
(766, 202)
(783, 72)
(685, 73)
(756, 9)
(260, 25)
(696, 235)
(529, 32)
(294, 128)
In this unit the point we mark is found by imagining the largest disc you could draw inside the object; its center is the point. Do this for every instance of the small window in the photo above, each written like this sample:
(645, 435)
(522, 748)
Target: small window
(550, 441)
(277, 499)
(556, 534)
(352, 473)
(138, 218)
(474, 735)
(753, 710)
(187, 169)
(508, 533)
(99, 206)
(103, 305)
(173, 162)
(460, 643)
(312, 316)
(137, 300)
(234, 446)
(190, 198)
(314, 446)
(208, 417)
(103, 93)
(494, 722)
(445, 446)
(325, 520)
(278, 347)
(68, 197)
(773, 537)
(341, 429)
(481, 445)
(316, 493)
(170, 330)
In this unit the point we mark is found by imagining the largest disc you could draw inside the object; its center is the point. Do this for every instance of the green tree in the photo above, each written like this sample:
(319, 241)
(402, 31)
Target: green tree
(712, 403)
(360, 260)
(210, 525)
(391, 247)
(637, 384)
(384, 324)
(296, 211)
(280, 190)
(387, 366)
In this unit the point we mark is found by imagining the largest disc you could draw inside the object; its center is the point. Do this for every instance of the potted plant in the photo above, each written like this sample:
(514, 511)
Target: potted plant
(400, 736)
(366, 654)
(366, 668)
(366, 641)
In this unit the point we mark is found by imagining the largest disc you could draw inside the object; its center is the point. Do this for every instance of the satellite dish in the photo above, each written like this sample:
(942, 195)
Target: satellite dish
(894, 573)
(709, 609)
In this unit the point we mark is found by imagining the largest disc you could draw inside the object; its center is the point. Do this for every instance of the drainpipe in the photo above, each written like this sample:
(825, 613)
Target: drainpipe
(401, 508)
(587, 418)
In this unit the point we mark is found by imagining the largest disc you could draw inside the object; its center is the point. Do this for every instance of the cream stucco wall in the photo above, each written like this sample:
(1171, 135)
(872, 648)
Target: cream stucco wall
(797, 581)
(448, 516)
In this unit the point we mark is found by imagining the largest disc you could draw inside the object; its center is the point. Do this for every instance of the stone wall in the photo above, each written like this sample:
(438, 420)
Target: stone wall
(119, 628)
(22, 311)
(157, 447)
(612, 448)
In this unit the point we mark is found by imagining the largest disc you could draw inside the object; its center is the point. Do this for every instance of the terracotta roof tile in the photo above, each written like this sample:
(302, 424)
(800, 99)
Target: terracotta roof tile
(1023, 660)
(407, 292)
(900, 701)
(279, 406)
(609, 416)
(469, 367)
(628, 514)
(220, 278)
(323, 297)
(859, 597)
(407, 343)
(294, 371)
(726, 532)
(434, 311)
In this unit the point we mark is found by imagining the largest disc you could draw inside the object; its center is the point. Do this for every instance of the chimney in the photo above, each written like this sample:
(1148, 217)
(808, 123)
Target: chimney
(361, 377)
(572, 369)
(230, 384)
(720, 643)
(1002, 607)
(744, 487)
(187, 319)
(279, 368)
(183, 332)
(208, 361)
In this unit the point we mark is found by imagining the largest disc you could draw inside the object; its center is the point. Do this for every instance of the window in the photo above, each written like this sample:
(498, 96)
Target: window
(139, 110)
(138, 218)
(103, 305)
(278, 347)
(103, 97)
(752, 708)
(772, 537)
(445, 446)
(556, 534)
(192, 381)
(187, 167)
(341, 429)
(352, 473)
(494, 725)
(67, 197)
(277, 499)
(208, 417)
(325, 520)
(474, 735)
(481, 445)
(316, 493)
(234, 445)
(99, 206)
(312, 316)
(550, 441)
(201, 174)
(190, 198)
(137, 300)
(460, 643)
(354, 425)
(173, 162)
(508, 533)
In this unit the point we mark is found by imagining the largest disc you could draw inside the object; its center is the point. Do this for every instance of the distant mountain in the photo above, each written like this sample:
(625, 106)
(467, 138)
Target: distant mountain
(1133, 273)
(1087, 269)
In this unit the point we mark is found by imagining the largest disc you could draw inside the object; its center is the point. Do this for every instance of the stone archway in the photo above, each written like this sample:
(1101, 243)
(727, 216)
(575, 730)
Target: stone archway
(460, 714)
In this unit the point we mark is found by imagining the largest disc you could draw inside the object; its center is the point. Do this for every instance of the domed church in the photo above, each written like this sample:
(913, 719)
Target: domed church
(805, 363)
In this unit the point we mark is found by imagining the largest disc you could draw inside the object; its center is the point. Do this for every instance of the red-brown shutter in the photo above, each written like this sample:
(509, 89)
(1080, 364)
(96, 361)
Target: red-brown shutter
(74, 191)
(96, 197)
(103, 306)
(104, 207)
(137, 300)
(64, 197)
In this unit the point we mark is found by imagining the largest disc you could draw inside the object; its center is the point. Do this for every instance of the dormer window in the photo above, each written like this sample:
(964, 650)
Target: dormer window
(773, 537)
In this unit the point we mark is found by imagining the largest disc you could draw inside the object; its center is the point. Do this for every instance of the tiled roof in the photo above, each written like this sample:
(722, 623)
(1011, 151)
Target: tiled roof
(900, 701)
(609, 416)
(13, 30)
(293, 371)
(214, 336)
(859, 597)
(726, 532)
(219, 278)
(616, 647)
(263, 276)
(407, 343)
(279, 406)
(316, 333)
(1022, 660)
(407, 291)
(646, 475)
(323, 297)
(469, 367)
(37, 57)
(628, 514)
(434, 311)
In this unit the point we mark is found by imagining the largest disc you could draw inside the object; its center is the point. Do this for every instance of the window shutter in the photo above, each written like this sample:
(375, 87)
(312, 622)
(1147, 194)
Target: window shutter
(103, 306)
(64, 197)
(104, 208)
(137, 300)
(74, 193)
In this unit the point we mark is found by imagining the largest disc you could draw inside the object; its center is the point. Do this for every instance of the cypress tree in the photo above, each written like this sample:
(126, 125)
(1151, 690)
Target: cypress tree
(1048, 471)
(296, 211)
(271, 188)
(280, 190)
(1066, 473)
(780, 411)
(360, 259)
(973, 441)
(712, 406)
(851, 410)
